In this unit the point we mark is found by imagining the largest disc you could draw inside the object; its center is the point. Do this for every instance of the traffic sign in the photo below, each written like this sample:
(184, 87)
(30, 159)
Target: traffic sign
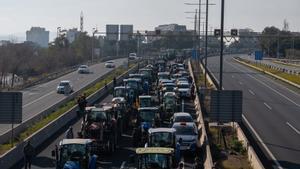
(226, 106)
(10, 107)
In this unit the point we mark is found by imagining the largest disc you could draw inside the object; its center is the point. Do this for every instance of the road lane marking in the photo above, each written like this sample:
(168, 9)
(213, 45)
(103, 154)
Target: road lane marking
(287, 98)
(294, 128)
(182, 105)
(250, 91)
(123, 165)
(36, 100)
(269, 107)
(262, 143)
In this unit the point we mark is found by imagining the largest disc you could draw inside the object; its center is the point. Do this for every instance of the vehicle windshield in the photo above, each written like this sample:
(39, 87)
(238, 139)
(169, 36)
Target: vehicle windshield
(155, 161)
(183, 119)
(72, 151)
(132, 84)
(147, 115)
(145, 72)
(145, 102)
(170, 100)
(83, 66)
(162, 139)
(185, 130)
(119, 93)
(163, 76)
(183, 85)
(63, 84)
(109, 62)
(97, 116)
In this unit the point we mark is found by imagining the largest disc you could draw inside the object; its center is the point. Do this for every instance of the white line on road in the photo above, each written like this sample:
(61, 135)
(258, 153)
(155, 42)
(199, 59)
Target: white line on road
(38, 99)
(262, 143)
(294, 128)
(123, 165)
(269, 107)
(250, 91)
(182, 105)
(287, 98)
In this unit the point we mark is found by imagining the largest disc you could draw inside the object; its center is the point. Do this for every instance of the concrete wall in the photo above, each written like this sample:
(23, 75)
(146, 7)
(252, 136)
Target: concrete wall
(13, 156)
(208, 163)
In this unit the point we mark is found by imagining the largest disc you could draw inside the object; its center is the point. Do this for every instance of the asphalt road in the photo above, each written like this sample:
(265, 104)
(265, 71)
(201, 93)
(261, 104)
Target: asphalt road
(43, 160)
(271, 109)
(39, 98)
(272, 63)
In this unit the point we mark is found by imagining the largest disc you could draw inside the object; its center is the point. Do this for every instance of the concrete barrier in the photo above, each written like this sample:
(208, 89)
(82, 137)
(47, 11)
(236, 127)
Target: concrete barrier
(271, 74)
(15, 155)
(252, 156)
(5, 137)
(208, 162)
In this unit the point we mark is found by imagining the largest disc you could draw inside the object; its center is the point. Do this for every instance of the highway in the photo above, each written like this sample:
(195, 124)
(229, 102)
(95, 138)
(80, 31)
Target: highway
(43, 160)
(269, 107)
(40, 97)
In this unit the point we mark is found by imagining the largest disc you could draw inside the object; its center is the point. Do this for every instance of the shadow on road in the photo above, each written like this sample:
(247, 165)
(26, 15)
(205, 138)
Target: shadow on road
(43, 162)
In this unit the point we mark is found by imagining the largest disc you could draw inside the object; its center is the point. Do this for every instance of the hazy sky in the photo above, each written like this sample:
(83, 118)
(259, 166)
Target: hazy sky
(17, 16)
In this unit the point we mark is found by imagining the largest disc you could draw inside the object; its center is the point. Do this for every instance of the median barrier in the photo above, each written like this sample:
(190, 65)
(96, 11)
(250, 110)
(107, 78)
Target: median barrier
(15, 155)
(208, 162)
(252, 156)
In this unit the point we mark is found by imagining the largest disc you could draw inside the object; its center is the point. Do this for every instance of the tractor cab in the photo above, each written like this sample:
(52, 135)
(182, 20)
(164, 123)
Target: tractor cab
(169, 104)
(162, 137)
(145, 101)
(75, 153)
(155, 157)
(134, 83)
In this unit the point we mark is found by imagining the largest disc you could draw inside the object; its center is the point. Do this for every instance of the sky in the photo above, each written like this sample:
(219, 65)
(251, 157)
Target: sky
(17, 16)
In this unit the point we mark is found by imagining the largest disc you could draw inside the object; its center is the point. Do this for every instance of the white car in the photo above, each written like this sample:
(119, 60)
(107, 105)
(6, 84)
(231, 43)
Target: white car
(110, 64)
(188, 132)
(83, 69)
(183, 89)
(182, 117)
(64, 87)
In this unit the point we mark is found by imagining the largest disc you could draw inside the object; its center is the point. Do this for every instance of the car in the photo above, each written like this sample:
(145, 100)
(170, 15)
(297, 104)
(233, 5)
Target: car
(133, 56)
(182, 117)
(188, 133)
(183, 89)
(110, 64)
(83, 69)
(64, 87)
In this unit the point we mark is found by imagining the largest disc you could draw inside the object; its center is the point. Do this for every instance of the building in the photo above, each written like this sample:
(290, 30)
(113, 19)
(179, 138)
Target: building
(126, 32)
(171, 28)
(4, 42)
(38, 36)
(72, 34)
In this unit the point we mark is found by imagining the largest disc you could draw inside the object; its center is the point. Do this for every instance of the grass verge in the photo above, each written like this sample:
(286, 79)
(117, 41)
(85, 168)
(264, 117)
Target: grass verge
(61, 110)
(290, 77)
(227, 151)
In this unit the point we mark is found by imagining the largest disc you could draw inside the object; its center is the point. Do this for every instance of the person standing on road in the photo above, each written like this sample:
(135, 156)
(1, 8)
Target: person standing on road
(28, 154)
(115, 82)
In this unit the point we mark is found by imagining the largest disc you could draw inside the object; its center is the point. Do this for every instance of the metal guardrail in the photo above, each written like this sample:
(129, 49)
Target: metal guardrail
(15, 155)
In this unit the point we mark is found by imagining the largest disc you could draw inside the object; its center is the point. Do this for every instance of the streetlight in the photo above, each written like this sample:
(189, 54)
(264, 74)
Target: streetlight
(222, 44)
(94, 32)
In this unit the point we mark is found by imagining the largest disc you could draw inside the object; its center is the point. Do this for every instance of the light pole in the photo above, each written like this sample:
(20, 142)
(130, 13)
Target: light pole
(94, 32)
(222, 45)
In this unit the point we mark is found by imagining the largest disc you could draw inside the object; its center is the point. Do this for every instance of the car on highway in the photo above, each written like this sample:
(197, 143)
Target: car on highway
(64, 87)
(188, 132)
(183, 89)
(83, 69)
(181, 117)
(110, 64)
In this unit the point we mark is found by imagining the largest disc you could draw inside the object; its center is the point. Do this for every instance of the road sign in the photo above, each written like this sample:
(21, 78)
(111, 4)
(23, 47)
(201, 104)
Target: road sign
(226, 106)
(10, 107)
(258, 55)
(112, 32)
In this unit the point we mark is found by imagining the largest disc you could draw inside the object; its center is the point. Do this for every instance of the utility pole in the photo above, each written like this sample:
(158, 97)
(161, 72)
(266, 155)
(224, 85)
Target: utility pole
(195, 29)
(94, 32)
(222, 45)
(206, 27)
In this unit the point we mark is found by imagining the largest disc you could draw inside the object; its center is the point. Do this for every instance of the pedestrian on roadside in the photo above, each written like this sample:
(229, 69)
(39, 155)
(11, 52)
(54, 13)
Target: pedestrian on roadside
(28, 151)
(115, 82)
(69, 133)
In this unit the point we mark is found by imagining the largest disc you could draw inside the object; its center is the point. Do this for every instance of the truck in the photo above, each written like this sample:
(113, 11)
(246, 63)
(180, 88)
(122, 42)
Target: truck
(74, 153)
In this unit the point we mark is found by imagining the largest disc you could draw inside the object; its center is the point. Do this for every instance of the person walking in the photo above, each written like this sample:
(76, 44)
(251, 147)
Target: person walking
(28, 151)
